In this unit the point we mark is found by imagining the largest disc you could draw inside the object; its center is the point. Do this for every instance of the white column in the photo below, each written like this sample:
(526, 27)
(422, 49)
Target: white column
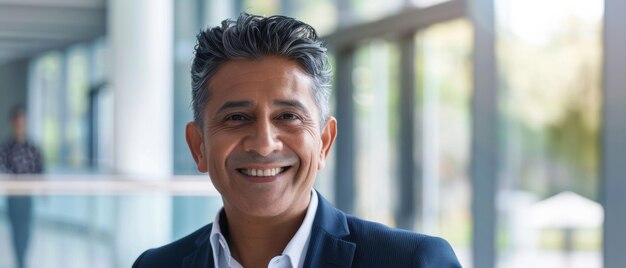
(140, 36)
(141, 40)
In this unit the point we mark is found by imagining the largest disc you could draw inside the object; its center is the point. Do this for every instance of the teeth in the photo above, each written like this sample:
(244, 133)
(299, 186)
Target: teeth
(262, 172)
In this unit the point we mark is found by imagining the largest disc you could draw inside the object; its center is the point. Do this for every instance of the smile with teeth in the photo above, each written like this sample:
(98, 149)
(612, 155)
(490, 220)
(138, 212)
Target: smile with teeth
(262, 172)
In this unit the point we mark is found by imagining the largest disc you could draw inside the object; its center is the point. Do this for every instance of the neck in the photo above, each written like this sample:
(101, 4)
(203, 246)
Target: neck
(254, 241)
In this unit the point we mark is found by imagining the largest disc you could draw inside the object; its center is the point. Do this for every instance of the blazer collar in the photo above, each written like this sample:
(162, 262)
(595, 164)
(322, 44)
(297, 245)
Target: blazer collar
(203, 255)
(326, 246)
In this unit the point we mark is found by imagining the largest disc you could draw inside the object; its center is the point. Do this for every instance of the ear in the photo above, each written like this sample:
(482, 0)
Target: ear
(328, 135)
(195, 141)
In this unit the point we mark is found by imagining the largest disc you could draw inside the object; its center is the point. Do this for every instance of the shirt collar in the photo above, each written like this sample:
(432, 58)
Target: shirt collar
(219, 244)
(296, 249)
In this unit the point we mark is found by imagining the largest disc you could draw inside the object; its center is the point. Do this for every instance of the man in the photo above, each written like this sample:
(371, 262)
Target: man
(262, 131)
(18, 156)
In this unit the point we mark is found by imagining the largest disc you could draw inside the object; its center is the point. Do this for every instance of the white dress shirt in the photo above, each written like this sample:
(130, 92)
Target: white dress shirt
(292, 256)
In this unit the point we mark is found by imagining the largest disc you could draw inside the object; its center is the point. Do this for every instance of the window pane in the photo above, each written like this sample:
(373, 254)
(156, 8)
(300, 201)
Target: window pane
(549, 53)
(265, 8)
(444, 84)
(60, 107)
(77, 108)
(187, 23)
(45, 99)
(370, 10)
(321, 14)
(376, 93)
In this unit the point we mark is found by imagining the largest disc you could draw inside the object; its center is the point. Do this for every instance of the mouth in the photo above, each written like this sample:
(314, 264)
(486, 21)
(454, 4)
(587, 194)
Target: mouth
(268, 172)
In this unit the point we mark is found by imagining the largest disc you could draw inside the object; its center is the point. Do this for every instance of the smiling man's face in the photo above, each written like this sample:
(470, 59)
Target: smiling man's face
(261, 141)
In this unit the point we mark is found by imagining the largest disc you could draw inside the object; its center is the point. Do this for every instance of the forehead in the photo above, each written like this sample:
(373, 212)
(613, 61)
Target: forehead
(256, 79)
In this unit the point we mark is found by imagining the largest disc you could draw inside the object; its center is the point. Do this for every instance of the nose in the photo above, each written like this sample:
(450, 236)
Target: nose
(263, 139)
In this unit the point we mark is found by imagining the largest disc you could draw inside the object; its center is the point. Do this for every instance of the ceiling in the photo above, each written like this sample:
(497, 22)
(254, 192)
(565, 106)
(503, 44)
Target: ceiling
(28, 27)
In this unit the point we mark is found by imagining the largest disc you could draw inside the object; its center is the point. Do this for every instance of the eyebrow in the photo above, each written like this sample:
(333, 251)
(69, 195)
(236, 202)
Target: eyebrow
(234, 104)
(285, 103)
(291, 103)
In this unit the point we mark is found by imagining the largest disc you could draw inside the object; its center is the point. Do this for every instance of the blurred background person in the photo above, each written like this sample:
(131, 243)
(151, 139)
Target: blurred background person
(19, 156)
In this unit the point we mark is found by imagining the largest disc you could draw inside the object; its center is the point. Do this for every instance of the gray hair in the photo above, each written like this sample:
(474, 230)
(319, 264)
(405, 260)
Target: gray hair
(252, 37)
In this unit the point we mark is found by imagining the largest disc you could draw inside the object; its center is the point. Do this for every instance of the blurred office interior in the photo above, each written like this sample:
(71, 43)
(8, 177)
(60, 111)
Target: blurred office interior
(497, 124)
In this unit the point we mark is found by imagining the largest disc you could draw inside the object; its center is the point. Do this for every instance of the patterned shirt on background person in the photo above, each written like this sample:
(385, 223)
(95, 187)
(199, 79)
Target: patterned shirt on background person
(20, 158)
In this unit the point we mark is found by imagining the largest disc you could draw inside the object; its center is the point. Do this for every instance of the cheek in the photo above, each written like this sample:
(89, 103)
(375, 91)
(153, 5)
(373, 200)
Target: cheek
(308, 146)
(218, 149)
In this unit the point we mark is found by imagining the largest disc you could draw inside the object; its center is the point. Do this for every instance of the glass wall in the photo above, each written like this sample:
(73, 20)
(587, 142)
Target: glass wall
(310, 11)
(46, 105)
(376, 91)
(370, 10)
(550, 61)
(266, 8)
(187, 23)
(444, 90)
(65, 89)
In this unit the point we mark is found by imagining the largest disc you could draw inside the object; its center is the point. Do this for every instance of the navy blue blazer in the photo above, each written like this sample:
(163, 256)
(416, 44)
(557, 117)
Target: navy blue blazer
(337, 240)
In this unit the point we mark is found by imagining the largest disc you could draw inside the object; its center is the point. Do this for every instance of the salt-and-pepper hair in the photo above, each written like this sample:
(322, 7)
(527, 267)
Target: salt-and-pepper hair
(252, 37)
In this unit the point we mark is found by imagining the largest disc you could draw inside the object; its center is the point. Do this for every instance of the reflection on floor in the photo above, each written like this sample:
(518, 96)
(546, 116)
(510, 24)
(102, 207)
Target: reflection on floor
(54, 247)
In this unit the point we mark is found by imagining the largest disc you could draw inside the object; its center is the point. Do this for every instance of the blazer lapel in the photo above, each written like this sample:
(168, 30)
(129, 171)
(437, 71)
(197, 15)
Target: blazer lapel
(202, 257)
(326, 247)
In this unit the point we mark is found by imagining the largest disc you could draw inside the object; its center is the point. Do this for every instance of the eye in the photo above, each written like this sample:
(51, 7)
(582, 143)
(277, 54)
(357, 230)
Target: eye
(288, 116)
(236, 117)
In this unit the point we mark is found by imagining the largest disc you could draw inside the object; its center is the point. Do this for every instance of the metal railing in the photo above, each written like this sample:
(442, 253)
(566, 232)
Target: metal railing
(105, 185)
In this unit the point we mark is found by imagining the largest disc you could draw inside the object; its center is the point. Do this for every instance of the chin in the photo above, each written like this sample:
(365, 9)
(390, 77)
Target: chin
(265, 210)
(260, 204)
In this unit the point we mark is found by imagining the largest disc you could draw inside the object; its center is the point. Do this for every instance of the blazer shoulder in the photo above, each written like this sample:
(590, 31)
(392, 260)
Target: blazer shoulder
(435, 252)
(377, 243)
(172, 254)
(372, 234)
